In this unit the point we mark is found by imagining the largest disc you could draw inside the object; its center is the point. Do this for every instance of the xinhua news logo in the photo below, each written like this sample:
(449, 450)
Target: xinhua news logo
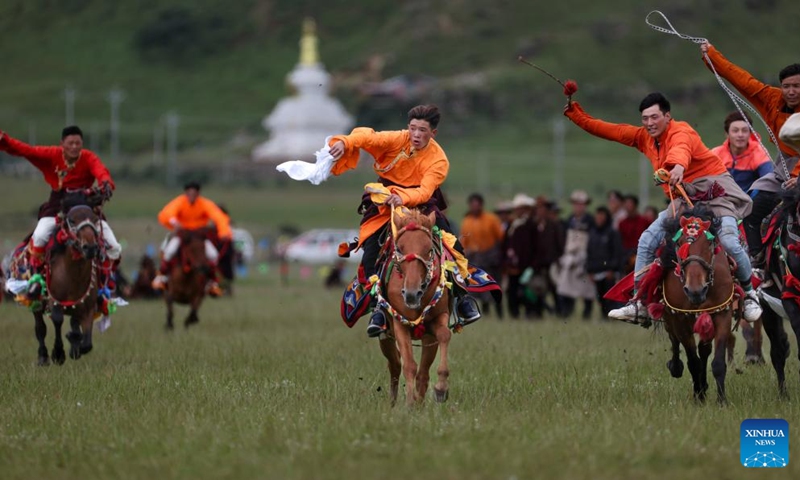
(764, 443)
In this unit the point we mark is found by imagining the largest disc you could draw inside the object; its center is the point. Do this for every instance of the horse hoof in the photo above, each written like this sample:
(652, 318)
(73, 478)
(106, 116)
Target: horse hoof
(675, 368)
(440, 395)
(169, 328)
(754, 360)
(43, 362)
(74, 353)
(74, 337)
(59, 357)
(86, 349)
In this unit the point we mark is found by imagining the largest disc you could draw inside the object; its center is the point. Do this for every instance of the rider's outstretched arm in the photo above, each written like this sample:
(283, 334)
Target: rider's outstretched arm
(616, 132)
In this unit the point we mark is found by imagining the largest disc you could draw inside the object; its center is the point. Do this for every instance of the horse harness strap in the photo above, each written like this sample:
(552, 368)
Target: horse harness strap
(699, 311)
(437, 295)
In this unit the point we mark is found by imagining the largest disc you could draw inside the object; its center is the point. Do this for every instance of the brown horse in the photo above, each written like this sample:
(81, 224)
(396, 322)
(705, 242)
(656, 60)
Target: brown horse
(188, 276)
(699, 297)
(417, 305)
(71, 281)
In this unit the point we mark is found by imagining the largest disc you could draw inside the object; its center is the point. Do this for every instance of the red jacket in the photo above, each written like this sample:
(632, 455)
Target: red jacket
(50, 161)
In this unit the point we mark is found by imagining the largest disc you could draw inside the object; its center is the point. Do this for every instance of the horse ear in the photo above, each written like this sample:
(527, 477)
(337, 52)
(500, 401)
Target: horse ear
(683, 222)
(706, 224)
(432, 218)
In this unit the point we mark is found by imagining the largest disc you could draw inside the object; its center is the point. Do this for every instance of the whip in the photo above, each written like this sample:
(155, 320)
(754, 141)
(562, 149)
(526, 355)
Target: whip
(738, 102)
(570, 86)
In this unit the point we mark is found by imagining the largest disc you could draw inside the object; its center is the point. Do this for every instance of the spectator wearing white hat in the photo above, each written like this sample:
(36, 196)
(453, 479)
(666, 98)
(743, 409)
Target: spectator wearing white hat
(518, 248)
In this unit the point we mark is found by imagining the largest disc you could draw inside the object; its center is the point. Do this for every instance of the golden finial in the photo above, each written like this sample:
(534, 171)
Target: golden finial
(309, 55)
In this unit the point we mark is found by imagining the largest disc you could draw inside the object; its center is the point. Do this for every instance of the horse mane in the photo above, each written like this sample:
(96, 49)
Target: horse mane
(669, 253)
(414, 217)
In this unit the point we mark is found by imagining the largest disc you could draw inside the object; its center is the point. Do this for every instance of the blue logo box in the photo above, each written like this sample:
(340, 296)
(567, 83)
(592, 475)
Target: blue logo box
(764, 443)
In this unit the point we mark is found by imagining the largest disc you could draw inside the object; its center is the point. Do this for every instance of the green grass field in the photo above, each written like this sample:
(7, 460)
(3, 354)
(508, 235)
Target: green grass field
(271, 384)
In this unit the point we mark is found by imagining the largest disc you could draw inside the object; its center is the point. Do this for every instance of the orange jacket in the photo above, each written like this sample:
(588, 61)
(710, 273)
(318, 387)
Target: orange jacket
(193, 216)
(481, 233)
(680, 144)
(768, 100)
(417, 172)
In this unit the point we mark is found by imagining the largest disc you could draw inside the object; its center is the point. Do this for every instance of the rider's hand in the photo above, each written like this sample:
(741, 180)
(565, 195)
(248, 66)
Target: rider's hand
(704, 47)
(106, 190)
(568, 107)
(791, 183)
(337, 150)
(394, 200)
(676, 175)
(175, 223)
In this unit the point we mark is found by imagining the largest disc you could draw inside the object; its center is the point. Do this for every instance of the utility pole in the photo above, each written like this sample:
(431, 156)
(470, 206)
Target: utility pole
(158, 144)
(94, 136)
(69, 104)
(644, 181)
(31, 133)
(115, 98)
(173, 121)
(559, 132)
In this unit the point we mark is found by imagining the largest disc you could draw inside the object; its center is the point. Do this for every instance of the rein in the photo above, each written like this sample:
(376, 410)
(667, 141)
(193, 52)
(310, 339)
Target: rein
(698, 311)
(738, 102)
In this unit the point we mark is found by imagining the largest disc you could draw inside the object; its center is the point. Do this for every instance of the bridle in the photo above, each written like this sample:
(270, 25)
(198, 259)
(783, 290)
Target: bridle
(706, 265)
(398, 258)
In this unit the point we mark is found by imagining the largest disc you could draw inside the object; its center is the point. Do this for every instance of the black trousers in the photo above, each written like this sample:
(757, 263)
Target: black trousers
(372, 247)
(763, 204)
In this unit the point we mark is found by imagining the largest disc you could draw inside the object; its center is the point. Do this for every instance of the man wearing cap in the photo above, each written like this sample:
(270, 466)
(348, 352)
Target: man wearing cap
(191, 211)
(518, 249)
(481, 237)
(676, 147)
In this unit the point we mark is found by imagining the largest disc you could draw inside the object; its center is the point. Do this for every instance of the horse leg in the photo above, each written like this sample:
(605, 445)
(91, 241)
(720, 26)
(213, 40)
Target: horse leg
(695, 367)
(675, 365)
(58, 354)
(87, 323)
(730, 357)
(403, 336)
(389, 349)
(429, 348)
(74, 337)
(718, 366)
(752, 335)
(704, 351)
(779, 346)
(192, 318)
(793, 311)
(170, 312)
(443, 335)
(41, 332)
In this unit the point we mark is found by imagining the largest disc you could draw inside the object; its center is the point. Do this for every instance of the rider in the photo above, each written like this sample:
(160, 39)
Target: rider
(775, 104)
(190, 211)
(677, 147)
(412, 165)
(65, 168)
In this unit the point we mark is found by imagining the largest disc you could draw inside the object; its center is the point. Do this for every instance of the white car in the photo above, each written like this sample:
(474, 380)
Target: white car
(321, 246)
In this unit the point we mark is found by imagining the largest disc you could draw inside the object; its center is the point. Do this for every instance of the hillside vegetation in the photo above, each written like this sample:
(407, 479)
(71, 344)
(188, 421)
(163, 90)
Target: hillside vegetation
(221, 64)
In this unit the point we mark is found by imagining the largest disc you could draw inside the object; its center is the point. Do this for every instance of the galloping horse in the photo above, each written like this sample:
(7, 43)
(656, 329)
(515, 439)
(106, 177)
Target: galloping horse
(781, 290)
(71, 285)
(698, 297)
(417, 304)
(188, 276)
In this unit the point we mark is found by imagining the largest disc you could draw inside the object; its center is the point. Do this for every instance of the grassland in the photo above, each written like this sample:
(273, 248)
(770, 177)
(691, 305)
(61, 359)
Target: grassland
(270, 384)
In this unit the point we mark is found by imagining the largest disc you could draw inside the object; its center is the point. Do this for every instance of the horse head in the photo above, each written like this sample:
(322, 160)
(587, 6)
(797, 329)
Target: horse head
(82, 226)
(414, 255)
(695, 263)
(193, 249)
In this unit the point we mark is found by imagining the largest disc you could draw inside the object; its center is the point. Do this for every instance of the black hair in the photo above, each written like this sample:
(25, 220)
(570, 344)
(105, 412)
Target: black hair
(193, 184)
(736, 117)
(429, 113)
(655, 98)
(477, 197)
(71, 130)
(616, 193)
(789, 71)
(632, 198)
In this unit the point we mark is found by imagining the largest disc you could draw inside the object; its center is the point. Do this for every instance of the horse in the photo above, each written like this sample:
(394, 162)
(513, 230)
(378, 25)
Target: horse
(188, 276)
(417, 305)
(71, 281)
(698, 297)
(780, 292)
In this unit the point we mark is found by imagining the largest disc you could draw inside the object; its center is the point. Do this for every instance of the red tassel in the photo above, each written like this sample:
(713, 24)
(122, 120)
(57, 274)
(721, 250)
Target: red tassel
(794, 248)
(656, 310)
(418, 331)
(739, 291)
(570, 88)
(704, 326)
(683, 251)
(650, 283)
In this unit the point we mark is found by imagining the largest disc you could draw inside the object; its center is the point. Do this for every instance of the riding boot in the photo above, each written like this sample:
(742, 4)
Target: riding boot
(377, 323)
(467, 309)
(212, 287)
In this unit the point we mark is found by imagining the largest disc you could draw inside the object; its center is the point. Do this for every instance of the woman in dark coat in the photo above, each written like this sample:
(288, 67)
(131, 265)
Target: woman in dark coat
(605, 256)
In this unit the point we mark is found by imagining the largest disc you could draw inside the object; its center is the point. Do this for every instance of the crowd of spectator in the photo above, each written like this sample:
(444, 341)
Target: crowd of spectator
(550, 264)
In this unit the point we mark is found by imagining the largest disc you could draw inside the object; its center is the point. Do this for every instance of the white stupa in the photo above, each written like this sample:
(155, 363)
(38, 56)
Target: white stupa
(299, 124)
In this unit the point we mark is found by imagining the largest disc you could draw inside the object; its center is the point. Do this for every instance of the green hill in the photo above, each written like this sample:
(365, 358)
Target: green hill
(222, 65)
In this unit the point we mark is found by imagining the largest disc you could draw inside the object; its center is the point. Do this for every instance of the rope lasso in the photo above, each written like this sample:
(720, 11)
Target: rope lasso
(738, 102)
